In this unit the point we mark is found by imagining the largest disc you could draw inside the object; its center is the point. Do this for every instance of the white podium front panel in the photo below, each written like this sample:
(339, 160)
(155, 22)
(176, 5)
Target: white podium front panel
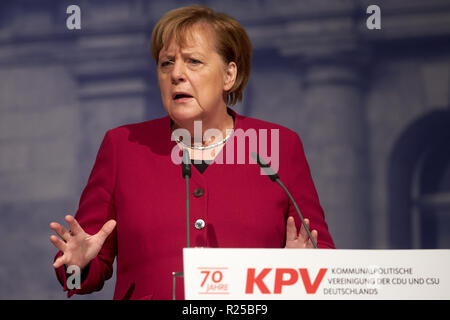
(265, 274)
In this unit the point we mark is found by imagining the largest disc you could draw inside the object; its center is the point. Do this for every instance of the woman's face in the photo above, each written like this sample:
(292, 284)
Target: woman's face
(192, 79)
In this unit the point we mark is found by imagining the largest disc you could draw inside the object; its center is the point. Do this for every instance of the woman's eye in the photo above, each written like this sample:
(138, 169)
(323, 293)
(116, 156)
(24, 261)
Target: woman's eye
(194, 61)
(165, 63)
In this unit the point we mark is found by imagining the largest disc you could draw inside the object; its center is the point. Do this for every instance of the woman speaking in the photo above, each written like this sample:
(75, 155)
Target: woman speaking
(133, 207)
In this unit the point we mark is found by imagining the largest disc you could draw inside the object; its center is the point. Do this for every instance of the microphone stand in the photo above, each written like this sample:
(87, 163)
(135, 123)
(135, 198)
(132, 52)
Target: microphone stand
(186, 174)
(274, 177)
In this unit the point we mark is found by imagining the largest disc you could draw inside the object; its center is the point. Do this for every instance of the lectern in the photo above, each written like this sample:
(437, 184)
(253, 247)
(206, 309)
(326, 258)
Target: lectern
(266, 274)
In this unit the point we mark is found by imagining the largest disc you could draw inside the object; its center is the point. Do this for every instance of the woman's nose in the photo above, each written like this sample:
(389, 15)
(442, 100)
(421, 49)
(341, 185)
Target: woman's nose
(178, 72)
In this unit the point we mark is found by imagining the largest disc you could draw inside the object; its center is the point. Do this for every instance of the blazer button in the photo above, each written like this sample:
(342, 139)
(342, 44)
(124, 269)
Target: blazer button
(199, 224)
(199, 192)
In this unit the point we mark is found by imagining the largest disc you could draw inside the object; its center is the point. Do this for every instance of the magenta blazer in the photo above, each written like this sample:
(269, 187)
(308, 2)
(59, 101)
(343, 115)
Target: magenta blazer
(135, 182)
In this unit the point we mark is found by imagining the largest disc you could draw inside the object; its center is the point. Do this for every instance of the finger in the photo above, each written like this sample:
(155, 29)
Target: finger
(74, 226)
(106, 230)
(303, 233)
(59, 262)
(291, 230)
(60, 230)
(58, 243)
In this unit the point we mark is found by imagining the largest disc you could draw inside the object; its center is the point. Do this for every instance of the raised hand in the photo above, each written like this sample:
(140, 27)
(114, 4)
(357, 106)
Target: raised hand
(298, 240)
(78, 247)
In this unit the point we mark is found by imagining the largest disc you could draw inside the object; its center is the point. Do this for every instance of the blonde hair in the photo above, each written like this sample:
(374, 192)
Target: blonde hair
(232, 41)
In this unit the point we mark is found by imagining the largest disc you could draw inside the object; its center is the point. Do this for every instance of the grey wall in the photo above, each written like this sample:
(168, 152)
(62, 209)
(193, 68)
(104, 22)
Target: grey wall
(371, 107)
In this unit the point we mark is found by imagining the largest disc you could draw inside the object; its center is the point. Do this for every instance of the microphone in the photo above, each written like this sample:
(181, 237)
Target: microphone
(275, 178)
(186, 173)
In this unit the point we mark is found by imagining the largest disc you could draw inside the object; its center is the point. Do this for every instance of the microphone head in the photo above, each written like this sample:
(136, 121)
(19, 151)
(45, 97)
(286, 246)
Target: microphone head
(265, 167)
(186, 164)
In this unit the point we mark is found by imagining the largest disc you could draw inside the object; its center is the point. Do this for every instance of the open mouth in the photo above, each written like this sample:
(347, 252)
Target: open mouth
(181, 96)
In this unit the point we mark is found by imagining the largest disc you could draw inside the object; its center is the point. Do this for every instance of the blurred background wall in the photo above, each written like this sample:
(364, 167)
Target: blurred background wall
(371, 106)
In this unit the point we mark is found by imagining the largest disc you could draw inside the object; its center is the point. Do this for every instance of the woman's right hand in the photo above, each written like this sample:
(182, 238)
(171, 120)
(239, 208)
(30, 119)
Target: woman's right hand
(78, 247)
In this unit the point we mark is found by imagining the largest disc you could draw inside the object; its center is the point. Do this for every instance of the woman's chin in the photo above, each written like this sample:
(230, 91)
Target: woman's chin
(183, 113)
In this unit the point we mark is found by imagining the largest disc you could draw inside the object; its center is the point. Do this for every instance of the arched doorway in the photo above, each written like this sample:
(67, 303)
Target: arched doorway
(419, 184)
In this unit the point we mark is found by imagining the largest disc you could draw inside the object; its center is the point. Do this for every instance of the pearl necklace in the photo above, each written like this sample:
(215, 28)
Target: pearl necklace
(205, 147)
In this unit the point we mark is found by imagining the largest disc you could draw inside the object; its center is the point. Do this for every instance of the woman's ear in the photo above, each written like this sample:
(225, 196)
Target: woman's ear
(230, 76)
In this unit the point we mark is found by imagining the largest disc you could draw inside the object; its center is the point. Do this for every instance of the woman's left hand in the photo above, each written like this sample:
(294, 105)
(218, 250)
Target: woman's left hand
(298, 240)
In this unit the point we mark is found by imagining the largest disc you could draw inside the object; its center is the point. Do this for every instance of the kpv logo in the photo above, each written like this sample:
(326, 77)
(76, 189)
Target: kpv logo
(283, 277)
(213, 280)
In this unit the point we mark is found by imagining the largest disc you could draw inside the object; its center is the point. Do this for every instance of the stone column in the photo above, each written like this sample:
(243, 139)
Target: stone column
(336, 145)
